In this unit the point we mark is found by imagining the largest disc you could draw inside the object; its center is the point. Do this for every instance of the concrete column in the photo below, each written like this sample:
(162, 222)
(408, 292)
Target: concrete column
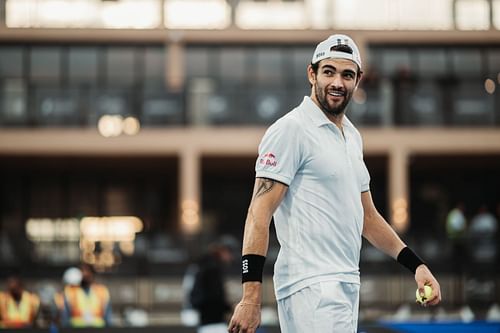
(398, 190)
(175, 58)
(190, 193)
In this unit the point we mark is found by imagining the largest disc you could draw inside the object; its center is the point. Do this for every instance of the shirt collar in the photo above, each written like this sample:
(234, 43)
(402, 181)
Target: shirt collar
(317, 116)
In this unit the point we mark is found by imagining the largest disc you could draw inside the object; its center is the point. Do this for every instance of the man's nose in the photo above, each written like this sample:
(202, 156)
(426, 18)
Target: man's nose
(337, 81)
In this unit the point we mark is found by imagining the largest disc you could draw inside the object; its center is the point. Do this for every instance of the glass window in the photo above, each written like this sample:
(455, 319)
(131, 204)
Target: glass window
(471, 104)
(154, 66)
(120, 66)
(197, 62)
(56, 107)
(269, 67)
(431, 62)
(424, 104)
(233, 63)
(110, 102)
(300, 58)
(83, 64)
(466, 62)
(368, 106)
(13, 102)
(269, 106)
(45, 63)
(161, 109)
(11, 62)
(395, 61)
(493, 58)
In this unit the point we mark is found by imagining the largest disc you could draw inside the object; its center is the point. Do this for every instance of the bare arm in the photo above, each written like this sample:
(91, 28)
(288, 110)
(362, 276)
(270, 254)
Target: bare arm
(267, 195)
(377, 231)
(380, 234)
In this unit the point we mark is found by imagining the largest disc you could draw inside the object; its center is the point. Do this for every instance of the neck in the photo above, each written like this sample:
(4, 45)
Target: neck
(16, 296)
(336, 119)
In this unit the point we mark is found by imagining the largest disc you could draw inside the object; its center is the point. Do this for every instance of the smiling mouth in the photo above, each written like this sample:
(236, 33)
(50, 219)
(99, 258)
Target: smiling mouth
(336, 94)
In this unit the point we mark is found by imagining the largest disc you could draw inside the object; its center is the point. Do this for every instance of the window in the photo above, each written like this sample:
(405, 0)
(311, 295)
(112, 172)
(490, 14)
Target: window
(83, 64)
(45, 63)
(432, 62)
(269, 66)
(466, 62)
(120, 66)
(233, 65)
(11, 61)
(13, 102)
(198, 62)
(154, 63)
(395, 61)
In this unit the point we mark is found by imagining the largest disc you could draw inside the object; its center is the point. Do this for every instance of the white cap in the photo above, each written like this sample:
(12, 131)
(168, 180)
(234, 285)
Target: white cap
(324, 49)
(72, 276)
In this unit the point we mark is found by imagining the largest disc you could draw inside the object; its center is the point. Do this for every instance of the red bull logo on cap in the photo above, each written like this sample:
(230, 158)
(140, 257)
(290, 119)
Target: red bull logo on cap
(268, 159)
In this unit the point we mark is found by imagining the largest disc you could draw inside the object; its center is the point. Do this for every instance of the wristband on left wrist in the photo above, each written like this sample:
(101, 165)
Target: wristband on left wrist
(409, 259)
(252, 267)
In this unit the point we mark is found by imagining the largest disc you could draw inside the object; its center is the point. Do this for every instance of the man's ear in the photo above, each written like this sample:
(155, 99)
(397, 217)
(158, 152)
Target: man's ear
(358, 78)
(311, 76)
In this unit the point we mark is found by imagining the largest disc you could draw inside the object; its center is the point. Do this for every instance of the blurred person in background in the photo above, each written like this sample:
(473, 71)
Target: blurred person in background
(456, 227)
(484, 222)
(310, 175)
(86, 304)
(19, 308)
(208, 294)
(482, 235)
(72, 278)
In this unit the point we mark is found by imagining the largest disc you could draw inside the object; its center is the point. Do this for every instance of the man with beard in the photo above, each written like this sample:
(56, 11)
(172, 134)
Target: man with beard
(311, 176)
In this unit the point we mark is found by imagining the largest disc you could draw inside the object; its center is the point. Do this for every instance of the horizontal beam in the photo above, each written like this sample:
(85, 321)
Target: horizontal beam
(239, 36)
(236, 141)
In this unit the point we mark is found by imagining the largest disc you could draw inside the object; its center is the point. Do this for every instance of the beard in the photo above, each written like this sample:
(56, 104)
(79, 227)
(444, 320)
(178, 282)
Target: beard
(321, 96)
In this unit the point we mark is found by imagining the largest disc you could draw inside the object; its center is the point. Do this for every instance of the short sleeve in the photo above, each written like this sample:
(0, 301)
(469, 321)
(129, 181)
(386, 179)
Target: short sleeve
(364, 175)
(280, 151)
(365, 178)
(362, 170)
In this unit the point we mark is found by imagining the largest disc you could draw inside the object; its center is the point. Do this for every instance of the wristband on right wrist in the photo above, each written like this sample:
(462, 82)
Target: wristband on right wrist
(409, 259)
(252, 267)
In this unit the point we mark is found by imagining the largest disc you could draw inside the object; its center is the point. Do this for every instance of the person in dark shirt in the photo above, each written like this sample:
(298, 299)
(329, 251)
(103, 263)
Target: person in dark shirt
(208, 294)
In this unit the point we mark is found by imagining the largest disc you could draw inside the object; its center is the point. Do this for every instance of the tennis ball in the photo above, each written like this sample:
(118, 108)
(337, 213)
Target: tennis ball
(427, 294)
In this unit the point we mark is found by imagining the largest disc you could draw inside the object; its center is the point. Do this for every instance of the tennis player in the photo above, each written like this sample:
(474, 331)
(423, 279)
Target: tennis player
(311, 176)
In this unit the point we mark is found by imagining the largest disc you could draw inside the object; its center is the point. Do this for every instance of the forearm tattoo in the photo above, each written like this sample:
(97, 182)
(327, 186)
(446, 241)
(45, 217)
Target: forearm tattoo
(264, 186)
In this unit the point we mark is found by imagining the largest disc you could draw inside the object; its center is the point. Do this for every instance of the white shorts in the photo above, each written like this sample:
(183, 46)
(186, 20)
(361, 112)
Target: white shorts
(213, 328)
(324, 307)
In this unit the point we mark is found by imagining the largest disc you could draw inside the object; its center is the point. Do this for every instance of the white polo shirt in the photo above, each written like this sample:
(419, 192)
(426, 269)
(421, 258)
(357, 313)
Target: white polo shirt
(320, 220)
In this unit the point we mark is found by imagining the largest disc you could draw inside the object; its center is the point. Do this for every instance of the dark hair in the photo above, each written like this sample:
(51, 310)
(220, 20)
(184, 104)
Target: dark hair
(339, 48)
(342, 48)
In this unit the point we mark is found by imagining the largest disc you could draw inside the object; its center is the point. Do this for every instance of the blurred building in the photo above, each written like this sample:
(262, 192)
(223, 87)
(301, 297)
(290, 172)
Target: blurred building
(129, 129)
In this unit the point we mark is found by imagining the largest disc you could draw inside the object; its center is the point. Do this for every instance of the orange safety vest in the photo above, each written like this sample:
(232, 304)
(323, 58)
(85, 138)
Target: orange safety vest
(18, 315)
(59, 300)
(87, 309)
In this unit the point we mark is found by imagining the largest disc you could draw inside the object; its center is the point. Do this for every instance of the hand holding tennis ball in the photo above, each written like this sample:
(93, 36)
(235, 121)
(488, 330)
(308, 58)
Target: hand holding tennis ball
(422, 299)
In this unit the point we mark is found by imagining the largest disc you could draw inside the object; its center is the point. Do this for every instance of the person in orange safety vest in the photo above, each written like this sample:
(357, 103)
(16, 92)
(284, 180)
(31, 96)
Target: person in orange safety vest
(87, 304)
(18, 307)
